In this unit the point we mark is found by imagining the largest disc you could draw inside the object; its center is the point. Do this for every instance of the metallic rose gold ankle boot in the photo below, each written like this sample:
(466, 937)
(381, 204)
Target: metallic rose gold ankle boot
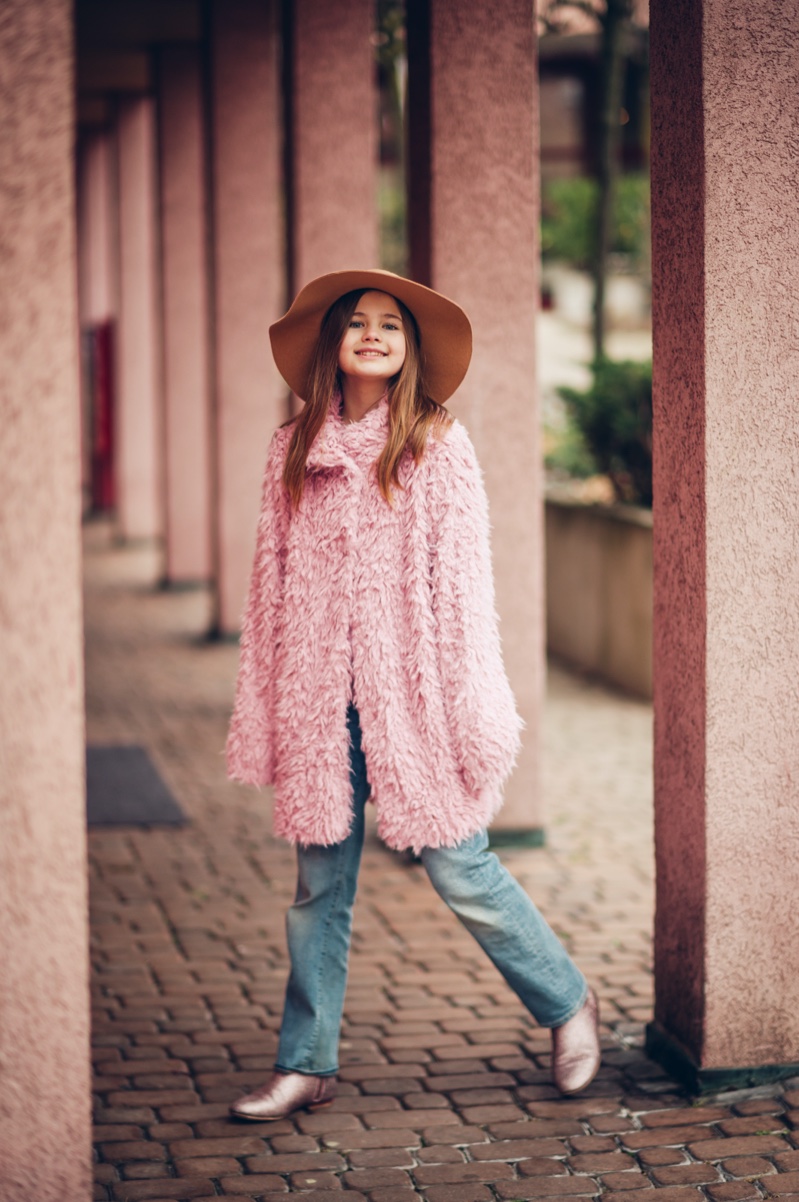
(283, 1094)
(576, 1054)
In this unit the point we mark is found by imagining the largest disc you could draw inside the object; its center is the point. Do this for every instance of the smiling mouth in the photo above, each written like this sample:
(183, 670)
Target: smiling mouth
(372, 354)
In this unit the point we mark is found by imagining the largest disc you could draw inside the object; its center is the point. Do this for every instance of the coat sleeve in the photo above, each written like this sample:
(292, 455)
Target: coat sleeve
(481, 710)
(250, 742)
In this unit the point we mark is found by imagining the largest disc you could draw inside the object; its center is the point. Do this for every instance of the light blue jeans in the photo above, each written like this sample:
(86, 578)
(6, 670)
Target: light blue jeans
(475, 885)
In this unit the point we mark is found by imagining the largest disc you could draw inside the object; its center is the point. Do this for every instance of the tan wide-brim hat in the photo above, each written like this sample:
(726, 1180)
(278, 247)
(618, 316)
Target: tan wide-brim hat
(444, 328)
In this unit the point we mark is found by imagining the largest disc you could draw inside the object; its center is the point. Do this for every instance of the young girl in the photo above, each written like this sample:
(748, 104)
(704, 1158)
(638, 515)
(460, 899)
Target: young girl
(371, 664)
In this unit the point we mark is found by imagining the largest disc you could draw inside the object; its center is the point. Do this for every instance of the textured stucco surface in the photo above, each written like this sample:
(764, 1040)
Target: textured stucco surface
(187, 422)
(726, 241)
(679, 515)
(44, 1057)
(484, 197)
(333, 139)
(139, 428)
(248, 280)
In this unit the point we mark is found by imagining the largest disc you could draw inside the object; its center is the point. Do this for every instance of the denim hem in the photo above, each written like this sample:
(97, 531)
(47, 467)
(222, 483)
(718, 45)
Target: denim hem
(575, 1010)
(307, 1072)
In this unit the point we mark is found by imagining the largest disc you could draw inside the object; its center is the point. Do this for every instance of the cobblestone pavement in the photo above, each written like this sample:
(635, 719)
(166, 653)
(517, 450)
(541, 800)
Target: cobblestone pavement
(445, 1089)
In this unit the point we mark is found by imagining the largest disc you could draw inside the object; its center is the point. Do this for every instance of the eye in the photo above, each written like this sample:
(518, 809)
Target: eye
(355, 324)
(390, 326)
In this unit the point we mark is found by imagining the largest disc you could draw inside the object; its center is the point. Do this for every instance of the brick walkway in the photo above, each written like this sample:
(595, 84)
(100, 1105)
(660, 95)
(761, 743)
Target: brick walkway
(445, 1093)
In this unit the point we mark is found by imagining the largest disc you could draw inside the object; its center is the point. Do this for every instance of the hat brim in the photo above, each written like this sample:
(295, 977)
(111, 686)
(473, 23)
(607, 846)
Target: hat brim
(444, 328)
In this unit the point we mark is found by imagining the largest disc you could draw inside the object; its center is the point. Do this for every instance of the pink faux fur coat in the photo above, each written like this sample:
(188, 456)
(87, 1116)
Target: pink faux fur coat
(391, 608)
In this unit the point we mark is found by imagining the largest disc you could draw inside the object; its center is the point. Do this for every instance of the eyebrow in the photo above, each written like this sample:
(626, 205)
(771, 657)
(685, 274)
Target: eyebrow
(395, 316)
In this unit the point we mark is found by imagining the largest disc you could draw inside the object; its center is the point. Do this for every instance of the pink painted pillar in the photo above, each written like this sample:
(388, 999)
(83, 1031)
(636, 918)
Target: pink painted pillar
(138, 420)
(474, 213)
(249, 274)
(332, 109)
(95, 229)
(725, 228)
(44, 999)
(96, 268)
(187, 422)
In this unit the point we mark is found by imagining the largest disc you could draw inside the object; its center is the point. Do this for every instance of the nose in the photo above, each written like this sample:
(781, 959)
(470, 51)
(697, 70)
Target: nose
(371, 333)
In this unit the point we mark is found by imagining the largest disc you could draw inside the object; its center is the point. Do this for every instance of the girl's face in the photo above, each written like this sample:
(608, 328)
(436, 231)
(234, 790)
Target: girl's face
(373, 347)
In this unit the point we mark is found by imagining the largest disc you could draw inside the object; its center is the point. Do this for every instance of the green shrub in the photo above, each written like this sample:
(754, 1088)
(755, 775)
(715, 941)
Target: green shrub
(567, 206)
(567, 453)
(614, 417)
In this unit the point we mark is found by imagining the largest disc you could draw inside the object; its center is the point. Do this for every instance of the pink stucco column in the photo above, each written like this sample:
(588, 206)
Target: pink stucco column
(249, 275)
(95, 228)
(725, 227)
(474, 207)
(332, 138)
(44, 1000)
(96, 269)
(139, 434)
(184, 275)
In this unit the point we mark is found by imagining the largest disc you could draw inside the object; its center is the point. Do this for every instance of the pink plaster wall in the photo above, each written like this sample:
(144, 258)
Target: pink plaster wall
(726, 254)
(44, 1005)
(333, 138)
(249, 269)
(484, 207)
(187, 421)
(139, 432)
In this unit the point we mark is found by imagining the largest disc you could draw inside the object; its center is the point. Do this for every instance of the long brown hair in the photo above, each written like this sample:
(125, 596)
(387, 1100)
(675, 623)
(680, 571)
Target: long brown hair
(413, 415)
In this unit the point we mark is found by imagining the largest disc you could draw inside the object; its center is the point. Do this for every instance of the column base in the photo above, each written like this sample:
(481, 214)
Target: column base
(678, 1062)
(534, 836)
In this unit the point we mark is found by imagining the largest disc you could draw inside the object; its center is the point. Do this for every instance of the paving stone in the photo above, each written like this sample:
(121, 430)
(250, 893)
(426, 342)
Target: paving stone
(254, 1184)
(521, 1191)
(386, 1137)
(592, 1143)
(685, 1116)
(652, 1157)
(371, 1158)
(367, 1179)
(787, 1161)
(295, 1163)
(313, 1180)
(732, 1191)
(116, 1133)
(516, 1149)
(665, 1137)
(742, 1145)
(134, 1191)
(142, 1149)
(685, 1174)
(457, 1193)
(761, 1124)
(235, 1146)
(439, 1154)
(781, 1183)
(751, 1166)
(210, 1166)
(628, 1180)
(674, 1193)
(452, 1174)
(600, 1162)
(390, 1193)
(143, 1170)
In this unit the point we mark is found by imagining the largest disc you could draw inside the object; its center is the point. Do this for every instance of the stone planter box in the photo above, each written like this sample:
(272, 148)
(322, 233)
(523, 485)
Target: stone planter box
(599, 590)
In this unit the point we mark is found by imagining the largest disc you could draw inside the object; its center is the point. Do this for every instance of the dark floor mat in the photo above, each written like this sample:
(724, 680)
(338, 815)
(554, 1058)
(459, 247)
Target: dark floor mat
(123, 788)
